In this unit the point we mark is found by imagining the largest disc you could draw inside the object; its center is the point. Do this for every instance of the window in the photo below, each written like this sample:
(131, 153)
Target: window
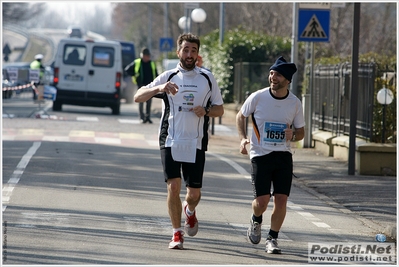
(74, 55)
(103, 56)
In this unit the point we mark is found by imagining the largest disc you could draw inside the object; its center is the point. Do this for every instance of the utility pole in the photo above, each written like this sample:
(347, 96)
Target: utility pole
(354, 90)
(294, 47)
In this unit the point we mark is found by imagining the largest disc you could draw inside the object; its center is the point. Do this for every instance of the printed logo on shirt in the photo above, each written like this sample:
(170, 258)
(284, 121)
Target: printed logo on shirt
(184, 109)
(189, 98)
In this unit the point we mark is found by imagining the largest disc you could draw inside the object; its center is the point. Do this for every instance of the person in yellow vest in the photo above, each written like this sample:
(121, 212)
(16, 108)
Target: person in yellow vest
(37, 65)
(143, 72)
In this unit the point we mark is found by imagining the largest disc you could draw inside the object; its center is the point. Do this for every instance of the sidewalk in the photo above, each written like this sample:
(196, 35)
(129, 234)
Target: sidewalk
(371, 199)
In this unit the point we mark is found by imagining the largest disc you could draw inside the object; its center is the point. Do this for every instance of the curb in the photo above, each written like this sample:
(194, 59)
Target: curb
(389, 231)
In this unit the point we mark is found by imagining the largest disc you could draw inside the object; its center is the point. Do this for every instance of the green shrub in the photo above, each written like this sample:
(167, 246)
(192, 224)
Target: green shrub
(239, 46)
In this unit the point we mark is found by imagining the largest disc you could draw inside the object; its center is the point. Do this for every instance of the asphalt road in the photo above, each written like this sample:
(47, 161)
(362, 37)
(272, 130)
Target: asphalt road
(83, 186)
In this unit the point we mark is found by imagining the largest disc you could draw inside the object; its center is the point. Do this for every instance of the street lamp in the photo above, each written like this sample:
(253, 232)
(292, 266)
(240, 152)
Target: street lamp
(384, 97)
(184, 23)
(198, 15)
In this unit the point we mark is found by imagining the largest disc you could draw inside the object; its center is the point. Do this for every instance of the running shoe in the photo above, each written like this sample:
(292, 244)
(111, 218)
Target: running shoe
(177, 240)
(254, 232)
(272, 246)
(191, 223)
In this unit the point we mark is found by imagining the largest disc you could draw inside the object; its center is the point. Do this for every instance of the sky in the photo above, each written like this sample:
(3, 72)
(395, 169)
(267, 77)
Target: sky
(72, 7)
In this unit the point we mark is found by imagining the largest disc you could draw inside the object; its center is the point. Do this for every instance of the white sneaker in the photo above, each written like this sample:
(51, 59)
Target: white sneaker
(191, 223)
(272, 246)
(254, 232)
(177, 240)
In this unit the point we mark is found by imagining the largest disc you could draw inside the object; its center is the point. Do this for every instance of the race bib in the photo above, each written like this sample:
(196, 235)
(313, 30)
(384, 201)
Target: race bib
(184, 150)
(273, 134)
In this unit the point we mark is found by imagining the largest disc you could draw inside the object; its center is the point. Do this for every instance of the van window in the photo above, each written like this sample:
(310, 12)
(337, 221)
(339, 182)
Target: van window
(103, 56)
(74, 55)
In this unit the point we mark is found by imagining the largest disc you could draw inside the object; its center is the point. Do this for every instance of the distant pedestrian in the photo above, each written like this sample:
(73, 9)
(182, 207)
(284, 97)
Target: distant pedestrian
(37, 65)
(273, 111)
(143, 71)
(190, 96)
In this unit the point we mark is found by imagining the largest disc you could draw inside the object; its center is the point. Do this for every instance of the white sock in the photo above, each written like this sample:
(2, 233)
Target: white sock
(189, 212)
(177, 230)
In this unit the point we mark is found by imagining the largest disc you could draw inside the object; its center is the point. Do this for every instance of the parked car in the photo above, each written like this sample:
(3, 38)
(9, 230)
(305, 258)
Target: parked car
(6, 83)
(23, 78)
(23, 74)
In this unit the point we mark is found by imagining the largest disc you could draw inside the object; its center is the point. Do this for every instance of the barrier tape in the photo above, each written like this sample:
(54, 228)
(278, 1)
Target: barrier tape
(19, 87)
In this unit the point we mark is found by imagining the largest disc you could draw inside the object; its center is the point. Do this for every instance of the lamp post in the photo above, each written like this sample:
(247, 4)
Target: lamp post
(384, 97)
(184, 23)
(198, 15)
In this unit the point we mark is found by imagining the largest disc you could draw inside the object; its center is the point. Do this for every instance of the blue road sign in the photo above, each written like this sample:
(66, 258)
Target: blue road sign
(314, 25)
(165, 44)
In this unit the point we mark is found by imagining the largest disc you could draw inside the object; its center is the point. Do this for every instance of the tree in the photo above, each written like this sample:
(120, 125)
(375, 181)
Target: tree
(378, 22)
(21, 12)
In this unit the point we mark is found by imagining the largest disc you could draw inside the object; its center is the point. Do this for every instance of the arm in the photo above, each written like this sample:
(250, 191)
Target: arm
(299, 134)
(214, 111)
(129, 69)
(143, 94)
(240, 124)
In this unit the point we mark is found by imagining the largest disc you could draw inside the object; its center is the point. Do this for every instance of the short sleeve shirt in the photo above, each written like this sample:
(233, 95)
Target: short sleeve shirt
(270, 116)
(196, 88)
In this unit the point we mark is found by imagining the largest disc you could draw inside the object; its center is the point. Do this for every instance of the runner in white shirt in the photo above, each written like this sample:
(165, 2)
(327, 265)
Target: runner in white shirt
(190, 96)
(277, 119)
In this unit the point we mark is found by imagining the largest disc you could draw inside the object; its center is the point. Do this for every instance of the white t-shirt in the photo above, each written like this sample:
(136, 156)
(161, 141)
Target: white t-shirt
(178, 121)
(270, 116)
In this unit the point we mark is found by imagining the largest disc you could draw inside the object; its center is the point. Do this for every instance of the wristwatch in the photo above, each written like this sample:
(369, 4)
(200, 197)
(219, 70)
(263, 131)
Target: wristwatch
(293, 137)
(207, 109)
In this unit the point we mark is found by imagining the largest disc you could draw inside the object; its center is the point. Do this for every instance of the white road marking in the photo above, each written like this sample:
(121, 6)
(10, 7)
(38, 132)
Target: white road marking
(15, 177)
(129, 121)
(86, 118)
(291, 205)
(321, 224)
(107, 140)
(233, 164)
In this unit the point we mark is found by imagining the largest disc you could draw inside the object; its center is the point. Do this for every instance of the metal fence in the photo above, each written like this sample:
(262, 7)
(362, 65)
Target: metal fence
(330, 96)
(248, 78)
(331, 99)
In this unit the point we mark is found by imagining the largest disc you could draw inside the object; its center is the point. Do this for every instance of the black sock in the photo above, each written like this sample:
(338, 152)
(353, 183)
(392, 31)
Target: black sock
(272, 234)
(257, 219)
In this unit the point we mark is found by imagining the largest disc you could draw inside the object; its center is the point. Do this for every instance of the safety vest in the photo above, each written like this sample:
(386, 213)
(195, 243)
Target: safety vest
(137, 65)
(35, 65)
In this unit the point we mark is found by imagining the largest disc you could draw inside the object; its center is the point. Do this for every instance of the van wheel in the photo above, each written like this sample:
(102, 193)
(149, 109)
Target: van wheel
(116, 109)
(57, 106)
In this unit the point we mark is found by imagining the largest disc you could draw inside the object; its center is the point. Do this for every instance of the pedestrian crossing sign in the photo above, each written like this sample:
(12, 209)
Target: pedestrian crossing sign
(165, 44)
(314, 25)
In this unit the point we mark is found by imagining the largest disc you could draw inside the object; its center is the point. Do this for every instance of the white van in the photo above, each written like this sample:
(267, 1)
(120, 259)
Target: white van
(88, 73)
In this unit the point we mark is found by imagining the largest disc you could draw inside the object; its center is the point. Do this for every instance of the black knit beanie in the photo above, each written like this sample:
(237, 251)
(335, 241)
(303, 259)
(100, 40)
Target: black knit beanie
(284, 68)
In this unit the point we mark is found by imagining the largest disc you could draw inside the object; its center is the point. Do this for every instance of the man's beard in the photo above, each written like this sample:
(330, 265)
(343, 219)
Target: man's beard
(187, 66)
(277, 86)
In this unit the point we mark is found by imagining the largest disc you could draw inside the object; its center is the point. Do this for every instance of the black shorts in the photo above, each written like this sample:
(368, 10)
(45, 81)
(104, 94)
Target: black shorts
(276, 168)
(192, 172)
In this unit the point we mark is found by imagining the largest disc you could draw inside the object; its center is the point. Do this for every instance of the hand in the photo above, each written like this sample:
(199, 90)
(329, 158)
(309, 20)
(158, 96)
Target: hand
(243, 148)
(169, 88)
(199, 111)
(288, 133)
